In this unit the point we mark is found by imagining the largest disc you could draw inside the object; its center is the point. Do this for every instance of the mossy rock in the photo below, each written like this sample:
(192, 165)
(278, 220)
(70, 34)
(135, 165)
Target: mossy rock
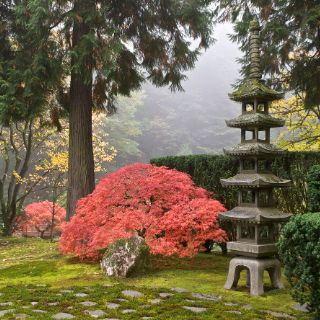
(126, 257)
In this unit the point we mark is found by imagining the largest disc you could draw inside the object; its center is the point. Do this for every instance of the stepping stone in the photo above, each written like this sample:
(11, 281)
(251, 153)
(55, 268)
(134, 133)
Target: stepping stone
(179, 290)
(122, 300)
(111, 305)
(279, 314)
(4, 312)
(107, 285)
(132, 293)
(300, 307)
(80, 295)
(21, 316)
(195, 309)
(88, 303)
(39, 311)
(125, 311)
(62, 315)
(231, 304)
(66, 291)
(155, 301)
(210, 297)
(165, 294)
(53, 303)
(191, 301)
(234, 312)
(4, 304)
(95, 313)
(247, 306)
(34, 303)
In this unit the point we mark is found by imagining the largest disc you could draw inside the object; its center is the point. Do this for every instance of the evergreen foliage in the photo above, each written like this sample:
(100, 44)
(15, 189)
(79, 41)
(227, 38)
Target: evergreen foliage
(291, 45)
(314, 188)
(299, 249)
(107, 48)
(206, 171)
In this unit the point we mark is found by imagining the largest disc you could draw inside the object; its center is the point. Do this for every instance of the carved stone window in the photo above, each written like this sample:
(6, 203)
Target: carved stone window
(248, 196)
(247, 232)
(248, 164)
(261, 107)
(249, 107)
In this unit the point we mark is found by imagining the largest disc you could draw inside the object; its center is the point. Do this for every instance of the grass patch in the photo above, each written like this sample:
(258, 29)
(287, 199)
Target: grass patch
(32, 270)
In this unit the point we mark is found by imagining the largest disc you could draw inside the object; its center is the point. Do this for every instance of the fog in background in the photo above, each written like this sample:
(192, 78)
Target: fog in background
(190, 122)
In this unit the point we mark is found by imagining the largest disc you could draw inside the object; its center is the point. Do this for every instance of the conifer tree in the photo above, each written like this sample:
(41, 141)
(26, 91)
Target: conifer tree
(108, 48)
(290, 46)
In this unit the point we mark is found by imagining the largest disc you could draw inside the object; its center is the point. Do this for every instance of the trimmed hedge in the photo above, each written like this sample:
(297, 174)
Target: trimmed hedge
(206, 171)
(299, 249)
(313, 180)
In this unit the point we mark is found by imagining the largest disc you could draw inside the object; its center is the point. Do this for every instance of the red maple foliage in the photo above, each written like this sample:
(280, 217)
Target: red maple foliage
(161, 205)
(42, 216)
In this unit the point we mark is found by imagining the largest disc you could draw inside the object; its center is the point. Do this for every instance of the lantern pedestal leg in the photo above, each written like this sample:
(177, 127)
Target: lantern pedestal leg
(255, 269)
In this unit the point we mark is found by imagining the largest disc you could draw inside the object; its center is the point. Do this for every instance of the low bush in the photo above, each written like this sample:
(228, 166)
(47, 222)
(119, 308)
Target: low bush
(299, 249)
(163, 206)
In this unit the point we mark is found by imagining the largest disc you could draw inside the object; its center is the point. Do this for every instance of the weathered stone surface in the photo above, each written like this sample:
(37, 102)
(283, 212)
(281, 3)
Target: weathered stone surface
(80, 295)
(234, 312)
(39, 311)
(88, 303)
(95, 313)
(179, 290)
(210, 297)
(4, 312)
(53, 303)
(66, 291)
(300, 307)
(21, 316)
(62, 315)
(165, 294)
(125, 256)
(132, 293)
(155, 301)
(111, 305)
(125, 311)
(34, 303)
(195, 309)
(279, 314)
(247, 306)
(5, 304)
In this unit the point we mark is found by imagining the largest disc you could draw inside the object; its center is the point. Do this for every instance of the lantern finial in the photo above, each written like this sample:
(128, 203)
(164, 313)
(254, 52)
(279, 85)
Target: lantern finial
(255, 67)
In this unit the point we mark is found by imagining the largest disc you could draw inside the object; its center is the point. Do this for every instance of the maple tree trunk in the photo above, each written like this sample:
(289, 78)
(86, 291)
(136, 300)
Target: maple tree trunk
(81, 162)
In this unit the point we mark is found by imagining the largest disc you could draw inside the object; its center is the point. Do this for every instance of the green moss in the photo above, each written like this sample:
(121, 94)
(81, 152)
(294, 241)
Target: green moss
(26, 263)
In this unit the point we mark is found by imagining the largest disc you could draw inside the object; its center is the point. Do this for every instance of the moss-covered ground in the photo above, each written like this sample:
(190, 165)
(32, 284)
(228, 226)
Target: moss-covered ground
(33, 276)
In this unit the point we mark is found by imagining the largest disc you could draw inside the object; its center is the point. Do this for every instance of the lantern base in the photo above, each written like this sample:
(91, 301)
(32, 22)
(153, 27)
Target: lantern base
(255, 269)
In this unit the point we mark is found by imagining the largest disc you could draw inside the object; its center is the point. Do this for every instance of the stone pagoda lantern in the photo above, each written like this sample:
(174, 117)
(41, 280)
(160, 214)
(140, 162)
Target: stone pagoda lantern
(256, 218)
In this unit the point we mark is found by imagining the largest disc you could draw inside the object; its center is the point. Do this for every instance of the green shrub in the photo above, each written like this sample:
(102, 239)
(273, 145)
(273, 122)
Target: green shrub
(313, 180)
(206, 171)
(299, 249)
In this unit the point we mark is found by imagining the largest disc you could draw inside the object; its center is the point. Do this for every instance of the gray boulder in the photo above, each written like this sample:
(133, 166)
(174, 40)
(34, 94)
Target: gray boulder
(125, 256)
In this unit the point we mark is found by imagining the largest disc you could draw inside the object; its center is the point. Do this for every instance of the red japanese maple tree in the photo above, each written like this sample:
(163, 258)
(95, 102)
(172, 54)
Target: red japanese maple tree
(42, 217)
(161, 205)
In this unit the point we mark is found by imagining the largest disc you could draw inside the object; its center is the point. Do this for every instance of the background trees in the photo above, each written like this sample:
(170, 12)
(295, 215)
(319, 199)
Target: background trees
(121, 44)
(43, 217)
(34, 164)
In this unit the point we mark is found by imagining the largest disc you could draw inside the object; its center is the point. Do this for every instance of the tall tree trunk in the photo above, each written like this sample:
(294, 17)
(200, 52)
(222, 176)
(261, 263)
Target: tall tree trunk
(81, 162)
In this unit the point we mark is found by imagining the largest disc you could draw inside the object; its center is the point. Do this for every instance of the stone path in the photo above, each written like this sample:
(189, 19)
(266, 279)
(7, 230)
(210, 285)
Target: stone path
(109, 302)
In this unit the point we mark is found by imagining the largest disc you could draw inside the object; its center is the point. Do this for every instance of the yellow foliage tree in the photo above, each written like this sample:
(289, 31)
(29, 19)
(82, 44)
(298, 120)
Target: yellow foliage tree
(302, 131)
(34, 164)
